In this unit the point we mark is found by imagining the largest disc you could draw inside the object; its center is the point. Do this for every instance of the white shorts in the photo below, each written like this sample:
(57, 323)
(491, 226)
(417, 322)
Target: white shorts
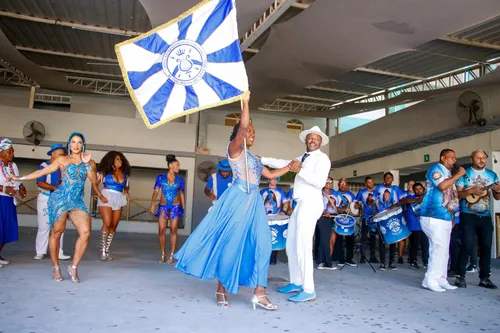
(116, 200)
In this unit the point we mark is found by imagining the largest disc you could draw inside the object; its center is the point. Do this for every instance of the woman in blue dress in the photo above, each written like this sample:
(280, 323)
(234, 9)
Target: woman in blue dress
(233, 241)
(113, 172)
(67, 201)
(171, 205)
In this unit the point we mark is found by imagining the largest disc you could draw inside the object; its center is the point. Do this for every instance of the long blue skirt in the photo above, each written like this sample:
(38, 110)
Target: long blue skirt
(8, 220)
(232, 243)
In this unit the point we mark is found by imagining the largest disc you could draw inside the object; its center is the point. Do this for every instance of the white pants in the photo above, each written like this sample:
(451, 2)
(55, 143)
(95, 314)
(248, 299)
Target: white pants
(438, 232)
(43, 233)
(299, 242)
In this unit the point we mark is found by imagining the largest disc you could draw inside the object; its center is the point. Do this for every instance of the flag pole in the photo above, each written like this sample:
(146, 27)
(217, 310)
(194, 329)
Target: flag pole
(246, 162)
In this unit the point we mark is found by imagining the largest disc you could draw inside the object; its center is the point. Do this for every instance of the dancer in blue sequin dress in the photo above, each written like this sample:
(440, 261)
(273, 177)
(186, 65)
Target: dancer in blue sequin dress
(171, 207)
(67, 201)
(233, 241)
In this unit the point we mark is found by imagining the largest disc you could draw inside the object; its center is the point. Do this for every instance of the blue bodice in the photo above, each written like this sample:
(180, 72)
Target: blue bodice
(255, 167)
(110, 183)
(169, 191)
(69, 194)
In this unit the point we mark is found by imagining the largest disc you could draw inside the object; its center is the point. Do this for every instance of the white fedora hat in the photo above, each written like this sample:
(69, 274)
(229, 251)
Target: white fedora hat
(314, 130)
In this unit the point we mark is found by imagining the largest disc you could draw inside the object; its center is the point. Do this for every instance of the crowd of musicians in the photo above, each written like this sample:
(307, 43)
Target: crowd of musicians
(454, 252)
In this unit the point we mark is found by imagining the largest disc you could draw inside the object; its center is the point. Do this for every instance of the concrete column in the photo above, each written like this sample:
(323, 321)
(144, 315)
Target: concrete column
(202, 129)
(32, 97)
(396, 177)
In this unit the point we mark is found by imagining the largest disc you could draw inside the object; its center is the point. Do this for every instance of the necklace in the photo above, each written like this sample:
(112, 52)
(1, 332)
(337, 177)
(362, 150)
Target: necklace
(5, 171)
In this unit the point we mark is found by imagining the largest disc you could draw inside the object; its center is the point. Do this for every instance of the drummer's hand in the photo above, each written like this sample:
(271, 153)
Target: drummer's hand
(356, 205)
(420, 199)
(281, 213)
(326, 214)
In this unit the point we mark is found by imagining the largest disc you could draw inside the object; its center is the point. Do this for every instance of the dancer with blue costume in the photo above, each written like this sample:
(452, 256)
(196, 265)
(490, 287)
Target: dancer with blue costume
(67, 201)
(171, 205)
(114, 172)
(233, 241)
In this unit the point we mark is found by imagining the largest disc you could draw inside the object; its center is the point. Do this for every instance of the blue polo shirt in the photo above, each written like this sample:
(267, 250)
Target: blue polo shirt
(484, 177)
(53, 178)
(272, 206)
(412, 214)
(438, 204)
(222, 183)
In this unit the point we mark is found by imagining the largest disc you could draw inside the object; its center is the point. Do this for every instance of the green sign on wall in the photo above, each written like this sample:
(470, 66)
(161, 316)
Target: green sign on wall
(427, 158)
(354, 173)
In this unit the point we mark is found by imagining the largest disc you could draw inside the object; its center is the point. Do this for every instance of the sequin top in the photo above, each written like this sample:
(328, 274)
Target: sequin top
(169, 191)
(110, 183)
(69, 194)
(255, 167)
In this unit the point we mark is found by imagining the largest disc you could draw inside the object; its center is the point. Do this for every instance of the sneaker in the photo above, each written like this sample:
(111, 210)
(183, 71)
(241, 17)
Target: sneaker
(401, 261)
(362, 261)
(472, 269)
(460, 282)
(351, 263)
(39, 256)
(425, 266)
(62, 256)
(382, 267)
(374, 261)
(3, 261)
(341, 263)
(392, 267)
(414, 265)
(486, 283)
(323, 267)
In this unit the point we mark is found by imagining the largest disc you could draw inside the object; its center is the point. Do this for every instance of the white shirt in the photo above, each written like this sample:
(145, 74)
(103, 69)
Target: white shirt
(311, 178)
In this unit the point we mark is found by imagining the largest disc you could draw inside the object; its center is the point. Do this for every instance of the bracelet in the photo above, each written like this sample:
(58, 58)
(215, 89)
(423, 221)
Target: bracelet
(22, 178)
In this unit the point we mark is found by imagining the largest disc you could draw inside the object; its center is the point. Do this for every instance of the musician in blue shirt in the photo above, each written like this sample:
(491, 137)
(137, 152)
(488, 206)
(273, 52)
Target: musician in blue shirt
(475, 216)
(219, 182)
(418, 239)
(345, 197)
(437, 212)
(275, 202)
(365, 196)
(387, 195)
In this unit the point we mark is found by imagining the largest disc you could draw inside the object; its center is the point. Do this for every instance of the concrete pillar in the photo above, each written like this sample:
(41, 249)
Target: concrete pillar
(396, 177)
(202, 129)
(32, 97)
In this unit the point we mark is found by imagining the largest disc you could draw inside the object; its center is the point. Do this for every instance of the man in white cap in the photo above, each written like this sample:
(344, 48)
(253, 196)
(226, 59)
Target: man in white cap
(47, 185)
(312, 170)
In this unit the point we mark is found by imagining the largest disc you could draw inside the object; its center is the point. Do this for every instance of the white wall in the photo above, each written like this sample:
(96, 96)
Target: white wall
(15, 96)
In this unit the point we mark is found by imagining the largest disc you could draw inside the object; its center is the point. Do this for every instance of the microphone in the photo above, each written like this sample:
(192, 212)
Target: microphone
(455, 168)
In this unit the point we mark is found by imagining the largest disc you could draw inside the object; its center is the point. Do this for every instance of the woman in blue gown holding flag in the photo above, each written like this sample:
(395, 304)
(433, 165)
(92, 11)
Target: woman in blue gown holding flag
(233, 241)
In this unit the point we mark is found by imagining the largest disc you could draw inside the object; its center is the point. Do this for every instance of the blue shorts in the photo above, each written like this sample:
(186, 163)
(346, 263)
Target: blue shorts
(172, 212)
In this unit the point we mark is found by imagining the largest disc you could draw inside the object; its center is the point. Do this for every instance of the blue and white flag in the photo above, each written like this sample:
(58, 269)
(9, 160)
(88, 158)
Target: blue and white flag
(189, 64)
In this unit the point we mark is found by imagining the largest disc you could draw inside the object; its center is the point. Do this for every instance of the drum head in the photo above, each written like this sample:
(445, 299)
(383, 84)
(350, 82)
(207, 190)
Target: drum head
(344, 220)
(385, 214)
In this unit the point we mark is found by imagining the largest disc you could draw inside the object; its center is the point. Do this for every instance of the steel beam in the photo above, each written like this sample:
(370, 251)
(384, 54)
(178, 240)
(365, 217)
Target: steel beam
(65, 54)
(351, 92)
(469, 42)
(77, 26)
(389, 73)
(316, 98)
(76, 71)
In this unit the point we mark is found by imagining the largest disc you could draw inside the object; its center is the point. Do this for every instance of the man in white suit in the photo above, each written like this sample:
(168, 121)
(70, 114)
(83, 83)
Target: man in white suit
(312, 170)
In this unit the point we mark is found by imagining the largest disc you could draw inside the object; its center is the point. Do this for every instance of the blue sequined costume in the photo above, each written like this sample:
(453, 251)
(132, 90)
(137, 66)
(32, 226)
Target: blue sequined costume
(170, 192)
(233, 241)
(69, 194)
(110, 183)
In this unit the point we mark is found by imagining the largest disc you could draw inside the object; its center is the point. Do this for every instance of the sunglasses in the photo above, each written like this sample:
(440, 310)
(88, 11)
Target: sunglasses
(329, 181)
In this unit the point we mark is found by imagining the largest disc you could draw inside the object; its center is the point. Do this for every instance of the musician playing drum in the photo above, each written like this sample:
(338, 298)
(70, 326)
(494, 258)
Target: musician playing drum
(365, 196)
(475, 216)
(323, 234)
(387, 195)
(436, 217)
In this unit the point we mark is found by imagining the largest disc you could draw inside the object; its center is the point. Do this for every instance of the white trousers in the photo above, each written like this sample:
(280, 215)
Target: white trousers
(438, 232)
(43, 233)
(299, 242)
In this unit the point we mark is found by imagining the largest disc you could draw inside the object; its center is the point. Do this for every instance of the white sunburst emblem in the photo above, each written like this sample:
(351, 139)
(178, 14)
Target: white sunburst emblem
(394, 226)
(274, 235)
(185, 62)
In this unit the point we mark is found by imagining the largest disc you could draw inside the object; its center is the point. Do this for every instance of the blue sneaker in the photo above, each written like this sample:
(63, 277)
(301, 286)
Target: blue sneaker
(303, 297)
(290, 288)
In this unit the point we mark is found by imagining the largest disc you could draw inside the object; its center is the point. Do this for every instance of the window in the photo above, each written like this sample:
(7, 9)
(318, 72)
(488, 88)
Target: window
(350, 122)
(232, 119)
(294, 126)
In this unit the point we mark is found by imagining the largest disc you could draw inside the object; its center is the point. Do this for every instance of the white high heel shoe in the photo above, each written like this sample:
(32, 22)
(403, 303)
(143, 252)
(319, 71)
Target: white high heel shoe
(224, 303)
(270, 306)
